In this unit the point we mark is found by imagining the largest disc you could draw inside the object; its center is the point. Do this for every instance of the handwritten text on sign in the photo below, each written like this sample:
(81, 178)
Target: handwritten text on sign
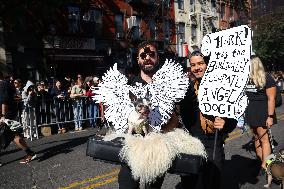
(221, 89)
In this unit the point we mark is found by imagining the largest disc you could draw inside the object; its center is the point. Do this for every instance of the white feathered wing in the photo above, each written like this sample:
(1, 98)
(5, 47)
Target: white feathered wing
(169, 86)
(113, 92)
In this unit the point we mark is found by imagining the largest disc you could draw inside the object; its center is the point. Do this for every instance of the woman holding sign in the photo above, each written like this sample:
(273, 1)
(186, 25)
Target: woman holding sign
(260, 113)
(205, 128)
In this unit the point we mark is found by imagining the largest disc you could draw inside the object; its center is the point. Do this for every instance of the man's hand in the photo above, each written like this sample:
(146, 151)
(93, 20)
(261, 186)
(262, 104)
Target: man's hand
(219, 123)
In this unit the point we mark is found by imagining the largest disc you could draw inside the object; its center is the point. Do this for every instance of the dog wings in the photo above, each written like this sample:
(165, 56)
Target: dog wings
(113, 92)
(169, 85)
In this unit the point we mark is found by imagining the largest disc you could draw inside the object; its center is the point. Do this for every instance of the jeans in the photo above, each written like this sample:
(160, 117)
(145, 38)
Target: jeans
(78, 113)
(60, 113)
(93, 113)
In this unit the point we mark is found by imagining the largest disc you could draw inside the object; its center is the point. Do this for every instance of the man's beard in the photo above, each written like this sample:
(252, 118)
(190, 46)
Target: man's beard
(148, 70)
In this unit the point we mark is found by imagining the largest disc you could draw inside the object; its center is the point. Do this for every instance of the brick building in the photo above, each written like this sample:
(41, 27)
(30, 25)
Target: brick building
(84, 37)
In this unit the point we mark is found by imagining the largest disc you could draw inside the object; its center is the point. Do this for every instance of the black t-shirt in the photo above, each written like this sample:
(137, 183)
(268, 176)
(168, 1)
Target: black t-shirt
(7, 96)
(256, 93)
(137, 79)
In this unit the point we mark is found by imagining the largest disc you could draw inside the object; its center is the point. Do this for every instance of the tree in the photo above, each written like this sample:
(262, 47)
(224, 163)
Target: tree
(268, 40)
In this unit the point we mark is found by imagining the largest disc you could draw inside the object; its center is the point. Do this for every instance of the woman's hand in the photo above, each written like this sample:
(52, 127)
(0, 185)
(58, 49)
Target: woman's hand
(219, 123)
(269, 122)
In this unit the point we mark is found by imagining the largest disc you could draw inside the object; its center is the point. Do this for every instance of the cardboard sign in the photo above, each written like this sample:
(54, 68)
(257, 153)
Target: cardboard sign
(221, 89)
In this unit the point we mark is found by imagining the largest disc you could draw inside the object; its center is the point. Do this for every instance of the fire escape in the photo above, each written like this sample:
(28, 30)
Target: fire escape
(148, 12)
(202, 17)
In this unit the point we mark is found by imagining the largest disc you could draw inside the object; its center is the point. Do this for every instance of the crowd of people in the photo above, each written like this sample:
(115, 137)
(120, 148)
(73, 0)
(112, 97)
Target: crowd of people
(55, 101)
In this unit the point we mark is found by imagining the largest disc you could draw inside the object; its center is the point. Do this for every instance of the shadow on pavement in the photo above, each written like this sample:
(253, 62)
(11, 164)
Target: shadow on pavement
(238, 171)
(48, 152)
(65, 148)
(6, 152)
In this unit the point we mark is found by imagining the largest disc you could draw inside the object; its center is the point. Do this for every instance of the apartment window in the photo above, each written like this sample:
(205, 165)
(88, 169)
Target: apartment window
(96, 16)
(167, 31)
(136, 28)
(192, 5)
(180, 4)
(153, 29)
(193, 33)
(73, 19)
(213, 6)
(93, 22)
(222, 12)
(181, 33)
(118, 22)
(213, 3)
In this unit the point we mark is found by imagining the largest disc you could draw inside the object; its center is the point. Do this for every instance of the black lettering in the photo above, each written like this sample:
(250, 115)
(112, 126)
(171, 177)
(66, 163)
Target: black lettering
(219, 41)
(232, 102)
(229, 108)
(210, 66)
(231, 41)
(220, 96)
(215, 107)
(207, 107)
(217, 55)
(222, 111)
(234, 52)
(236, 83)
(205, 91)
(238, 53)
(246, 32)
(238, 38)
(214, 94)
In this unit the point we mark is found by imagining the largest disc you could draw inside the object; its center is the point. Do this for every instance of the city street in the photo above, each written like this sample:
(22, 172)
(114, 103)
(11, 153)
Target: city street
(67, 65)
(62, 163)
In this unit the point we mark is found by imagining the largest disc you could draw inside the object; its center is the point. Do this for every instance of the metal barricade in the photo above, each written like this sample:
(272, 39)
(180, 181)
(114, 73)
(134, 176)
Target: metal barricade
(29, 122)
(62, 111)
(55, 112)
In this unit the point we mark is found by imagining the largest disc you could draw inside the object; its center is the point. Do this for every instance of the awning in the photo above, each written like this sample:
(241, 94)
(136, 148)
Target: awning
(81, 57)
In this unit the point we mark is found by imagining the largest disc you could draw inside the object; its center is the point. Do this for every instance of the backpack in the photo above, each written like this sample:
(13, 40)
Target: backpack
(278, 99)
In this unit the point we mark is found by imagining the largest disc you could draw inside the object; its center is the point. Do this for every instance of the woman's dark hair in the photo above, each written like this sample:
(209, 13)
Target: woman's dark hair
(196, 53)
(199, 53)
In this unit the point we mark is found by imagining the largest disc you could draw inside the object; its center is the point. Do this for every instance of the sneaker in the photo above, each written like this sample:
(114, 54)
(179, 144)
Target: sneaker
(28, 158)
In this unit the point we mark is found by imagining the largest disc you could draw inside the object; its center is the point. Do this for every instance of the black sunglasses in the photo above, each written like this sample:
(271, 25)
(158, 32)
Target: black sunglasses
(146, 52)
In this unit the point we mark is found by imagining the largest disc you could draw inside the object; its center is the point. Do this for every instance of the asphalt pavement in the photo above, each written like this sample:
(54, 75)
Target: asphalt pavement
(62, 163)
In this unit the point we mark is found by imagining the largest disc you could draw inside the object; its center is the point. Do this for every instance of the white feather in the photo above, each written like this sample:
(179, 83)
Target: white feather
(148, 161)
(168, 87)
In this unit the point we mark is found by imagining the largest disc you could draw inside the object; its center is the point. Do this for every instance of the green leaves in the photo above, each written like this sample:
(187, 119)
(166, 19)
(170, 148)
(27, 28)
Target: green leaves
(268, 40)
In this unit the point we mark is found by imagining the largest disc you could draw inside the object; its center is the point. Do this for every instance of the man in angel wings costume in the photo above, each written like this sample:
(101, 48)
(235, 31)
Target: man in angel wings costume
(148, 158)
